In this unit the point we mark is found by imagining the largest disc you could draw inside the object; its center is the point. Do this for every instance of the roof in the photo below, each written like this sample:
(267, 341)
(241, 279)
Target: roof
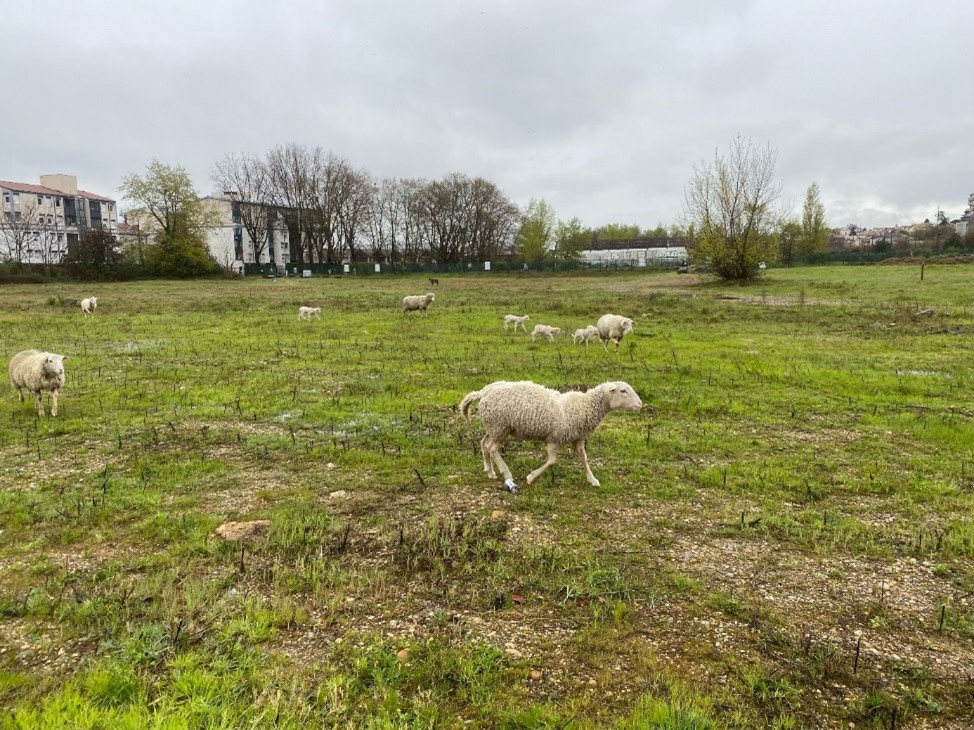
(42, 190)
(92, 196)
(28, 188)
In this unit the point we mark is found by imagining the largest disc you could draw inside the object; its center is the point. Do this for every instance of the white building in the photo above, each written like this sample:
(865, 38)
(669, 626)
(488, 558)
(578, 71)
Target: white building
(39, 223)
(231, 240)
(636, 252)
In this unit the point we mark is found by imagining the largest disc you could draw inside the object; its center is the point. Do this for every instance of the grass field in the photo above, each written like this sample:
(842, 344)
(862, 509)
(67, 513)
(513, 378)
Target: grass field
(784, 535)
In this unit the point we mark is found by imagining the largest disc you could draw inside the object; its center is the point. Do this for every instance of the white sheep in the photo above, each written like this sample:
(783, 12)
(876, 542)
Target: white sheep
(309, 312)
(526, 410)
(412, 304)
(89, 305)
(585, 334)
(37, 371)
(613, 327)
(543, 329)
(516, 320)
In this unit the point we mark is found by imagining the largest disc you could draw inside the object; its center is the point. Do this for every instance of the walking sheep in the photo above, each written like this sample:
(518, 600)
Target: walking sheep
(529, 411)
(37, 371)
(585, 334)
(543, 329)
(412, 304)
(613, 327)
(89, 305)
(516, 320)
(309, 312)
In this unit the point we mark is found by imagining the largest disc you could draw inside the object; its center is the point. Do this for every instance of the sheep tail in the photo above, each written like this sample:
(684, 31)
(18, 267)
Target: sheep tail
(468, 400)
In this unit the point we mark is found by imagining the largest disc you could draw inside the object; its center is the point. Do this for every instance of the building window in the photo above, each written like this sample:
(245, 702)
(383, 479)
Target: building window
(40, 200)
(6, 198)
(57, 202)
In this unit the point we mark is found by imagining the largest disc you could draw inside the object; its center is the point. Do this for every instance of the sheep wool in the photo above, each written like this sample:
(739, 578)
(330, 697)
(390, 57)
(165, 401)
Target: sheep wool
(613, 327)
(528, 411)
(89, 305)
(417, 303)
(309, 312)
(37, 371)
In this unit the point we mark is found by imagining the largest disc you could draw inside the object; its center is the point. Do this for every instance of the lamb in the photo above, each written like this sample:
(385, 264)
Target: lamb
(309, 312)
(37, 371)
(613, 327)
(89, 305)
(516, 320)
(585, 334)
(411, 304)
(530, 411)
(543, 329)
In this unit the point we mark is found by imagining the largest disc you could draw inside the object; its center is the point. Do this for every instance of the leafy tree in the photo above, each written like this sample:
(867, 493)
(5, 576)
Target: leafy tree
(659, 232)
(570, 239)
(167, 204)
(788, 238)
(814, 236)
(618, 230)
(96, 256)
(536, 232)
(731, 204)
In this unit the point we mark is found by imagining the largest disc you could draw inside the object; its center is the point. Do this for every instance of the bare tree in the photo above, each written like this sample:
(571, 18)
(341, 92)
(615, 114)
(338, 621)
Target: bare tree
(247, 181)
(19, 229)
(292, 170)
(731, 203)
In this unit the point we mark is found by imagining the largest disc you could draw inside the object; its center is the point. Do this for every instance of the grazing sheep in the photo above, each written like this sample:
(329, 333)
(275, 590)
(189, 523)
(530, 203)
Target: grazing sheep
(89, 305)
(309, 312)
(543, 329)
(613, 327)
(516, 320)
(411, 304)
(526, 410)
(37, 371)
(586, 334)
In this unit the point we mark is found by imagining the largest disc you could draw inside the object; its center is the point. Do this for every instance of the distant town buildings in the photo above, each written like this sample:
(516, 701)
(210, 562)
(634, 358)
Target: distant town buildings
(40, 223)
(246, 233)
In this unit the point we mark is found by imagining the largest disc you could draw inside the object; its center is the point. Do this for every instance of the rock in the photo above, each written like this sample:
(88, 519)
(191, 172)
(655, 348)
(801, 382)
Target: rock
(497, 514)
(535, 675)
(233, 531)
(403, 655)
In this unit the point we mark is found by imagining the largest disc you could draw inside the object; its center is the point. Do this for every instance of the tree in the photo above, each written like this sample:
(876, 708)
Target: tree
(168, 204)
(791, 232)
(814, 236)
(19, 229)
(536, 232)
(96, 256)
(246, 180)
(570, 239)
(731, 204)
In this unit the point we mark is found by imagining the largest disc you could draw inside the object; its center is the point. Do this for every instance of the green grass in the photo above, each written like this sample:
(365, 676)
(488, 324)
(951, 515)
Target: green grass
(803, 470)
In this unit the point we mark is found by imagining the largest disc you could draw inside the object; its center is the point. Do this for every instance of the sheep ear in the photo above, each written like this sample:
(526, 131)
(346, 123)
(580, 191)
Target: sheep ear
(612, 386)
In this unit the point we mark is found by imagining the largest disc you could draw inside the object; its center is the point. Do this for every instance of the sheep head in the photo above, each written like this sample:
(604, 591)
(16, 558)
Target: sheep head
(623, 397)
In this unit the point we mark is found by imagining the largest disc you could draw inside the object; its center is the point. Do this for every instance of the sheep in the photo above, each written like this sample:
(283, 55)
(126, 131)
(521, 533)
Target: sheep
(309, 312)
(434, 282)
(613, 327)
(543, 329)
(37, 371)
(529, 411)
(411, 304)
(89, 305)
(585, 334)
(516, 320)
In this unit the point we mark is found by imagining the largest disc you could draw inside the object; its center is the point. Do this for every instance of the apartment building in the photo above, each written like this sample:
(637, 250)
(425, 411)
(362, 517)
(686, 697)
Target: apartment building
(232, 239)
(39, 223)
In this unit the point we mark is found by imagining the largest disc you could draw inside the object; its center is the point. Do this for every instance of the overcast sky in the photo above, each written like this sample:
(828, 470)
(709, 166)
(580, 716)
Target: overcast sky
(600, 108)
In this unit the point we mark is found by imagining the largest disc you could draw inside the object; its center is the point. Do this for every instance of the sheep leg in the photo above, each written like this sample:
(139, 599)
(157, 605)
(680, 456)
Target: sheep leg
(552, 458)
(580, 450)
(494, 447)
(20, 392)
(39, 403)
(485, 444)
(54, 402)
